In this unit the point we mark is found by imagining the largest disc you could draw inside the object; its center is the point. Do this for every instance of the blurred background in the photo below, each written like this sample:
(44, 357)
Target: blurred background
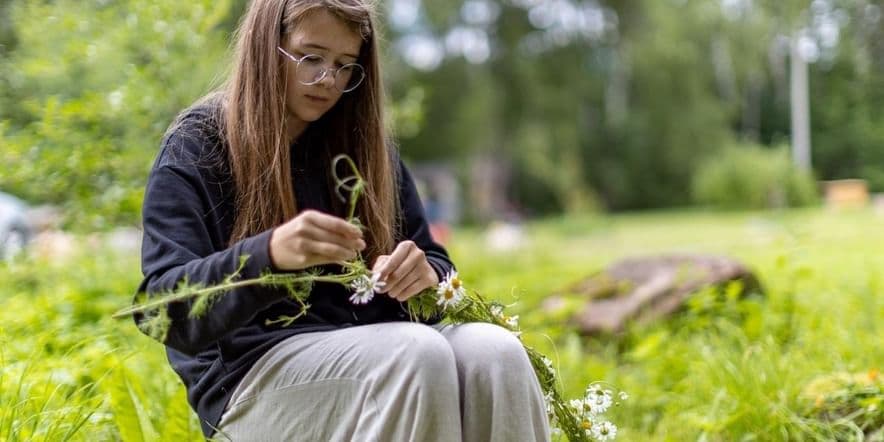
(508, 108)
(550, 138)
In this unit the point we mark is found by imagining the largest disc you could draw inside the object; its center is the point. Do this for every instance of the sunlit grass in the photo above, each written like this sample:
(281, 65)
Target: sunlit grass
(707, 374)
(719, 371)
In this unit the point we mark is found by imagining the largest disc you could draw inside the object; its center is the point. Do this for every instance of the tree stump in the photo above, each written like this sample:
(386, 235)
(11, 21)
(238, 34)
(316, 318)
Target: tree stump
(646, 289)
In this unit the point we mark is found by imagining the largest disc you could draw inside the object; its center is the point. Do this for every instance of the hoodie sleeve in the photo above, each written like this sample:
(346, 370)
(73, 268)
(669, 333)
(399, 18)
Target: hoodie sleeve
(182, 233)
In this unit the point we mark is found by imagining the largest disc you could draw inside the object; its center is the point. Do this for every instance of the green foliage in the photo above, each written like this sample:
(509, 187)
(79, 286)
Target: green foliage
(726, 368)
(85, 106)
(753, 177)
(616, 121)
(852, 403)
(67, 371)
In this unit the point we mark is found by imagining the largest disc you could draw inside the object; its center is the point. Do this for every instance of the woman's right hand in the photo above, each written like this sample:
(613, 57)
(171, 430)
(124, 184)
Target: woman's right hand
(313, 238)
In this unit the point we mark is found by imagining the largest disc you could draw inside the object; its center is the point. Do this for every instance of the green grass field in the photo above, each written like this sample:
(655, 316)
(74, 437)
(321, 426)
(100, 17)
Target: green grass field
(722, 370)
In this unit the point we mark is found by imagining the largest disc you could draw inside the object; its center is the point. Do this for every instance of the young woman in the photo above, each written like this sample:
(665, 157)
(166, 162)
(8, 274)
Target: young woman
(247, 172)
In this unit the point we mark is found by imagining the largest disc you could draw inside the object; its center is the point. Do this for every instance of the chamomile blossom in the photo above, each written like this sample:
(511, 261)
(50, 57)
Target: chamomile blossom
(511, 321)
(548, 402)
(604, 430)
(576, 405)
(496, 310)
(599, 398)
(453, 281)
(450, 291)
(547, 362)
(364, 288)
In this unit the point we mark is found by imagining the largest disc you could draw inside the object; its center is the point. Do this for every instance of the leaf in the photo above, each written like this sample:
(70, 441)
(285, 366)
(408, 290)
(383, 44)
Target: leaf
(130, 415)
(179, 422)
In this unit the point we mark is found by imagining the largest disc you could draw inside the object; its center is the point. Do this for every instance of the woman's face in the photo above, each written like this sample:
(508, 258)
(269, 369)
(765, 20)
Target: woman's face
(319, 33)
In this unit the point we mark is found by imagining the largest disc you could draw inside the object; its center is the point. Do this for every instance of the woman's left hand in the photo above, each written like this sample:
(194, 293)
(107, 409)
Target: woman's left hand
(405, 271)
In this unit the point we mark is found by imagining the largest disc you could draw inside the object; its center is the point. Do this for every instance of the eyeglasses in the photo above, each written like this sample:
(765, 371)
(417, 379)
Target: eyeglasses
(311, 70)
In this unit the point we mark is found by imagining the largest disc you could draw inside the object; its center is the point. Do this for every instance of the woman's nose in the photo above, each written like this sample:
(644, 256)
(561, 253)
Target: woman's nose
(328, 80)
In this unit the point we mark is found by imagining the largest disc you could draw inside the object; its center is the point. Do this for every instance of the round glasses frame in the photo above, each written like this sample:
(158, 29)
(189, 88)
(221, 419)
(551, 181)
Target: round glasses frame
(357, 72)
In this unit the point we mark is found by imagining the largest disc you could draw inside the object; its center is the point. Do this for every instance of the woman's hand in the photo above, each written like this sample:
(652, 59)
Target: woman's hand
(313, 238)
(406, 271)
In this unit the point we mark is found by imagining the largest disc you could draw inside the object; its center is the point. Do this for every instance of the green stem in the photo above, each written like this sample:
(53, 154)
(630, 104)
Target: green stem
(356, 189)
(275, 280)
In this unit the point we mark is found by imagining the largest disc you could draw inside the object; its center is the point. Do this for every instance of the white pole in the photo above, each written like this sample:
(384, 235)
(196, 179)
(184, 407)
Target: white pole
(800, 102)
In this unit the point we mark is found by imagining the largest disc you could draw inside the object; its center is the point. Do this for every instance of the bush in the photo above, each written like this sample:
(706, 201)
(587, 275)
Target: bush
(753, 177)
(84, 107)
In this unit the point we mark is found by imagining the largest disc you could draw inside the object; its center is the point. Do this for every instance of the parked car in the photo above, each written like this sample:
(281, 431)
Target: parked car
(15, 232)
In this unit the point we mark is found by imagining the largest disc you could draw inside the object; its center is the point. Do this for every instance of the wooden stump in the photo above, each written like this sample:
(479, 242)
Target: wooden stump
(649, 288)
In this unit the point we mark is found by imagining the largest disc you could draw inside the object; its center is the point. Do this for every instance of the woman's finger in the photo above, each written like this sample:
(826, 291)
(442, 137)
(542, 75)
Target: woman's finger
(378, 262)
(332, 224)
(395, 261)
(396, 289)
(318, 234)
(398, 277)
(413, 289)
(325, 252)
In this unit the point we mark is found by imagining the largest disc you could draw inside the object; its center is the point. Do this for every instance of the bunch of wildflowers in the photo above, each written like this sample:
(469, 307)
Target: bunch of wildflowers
(578, 420)
(590, 412)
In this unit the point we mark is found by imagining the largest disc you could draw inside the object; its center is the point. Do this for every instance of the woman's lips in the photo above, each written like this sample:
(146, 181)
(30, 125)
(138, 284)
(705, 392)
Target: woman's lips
(318, 100)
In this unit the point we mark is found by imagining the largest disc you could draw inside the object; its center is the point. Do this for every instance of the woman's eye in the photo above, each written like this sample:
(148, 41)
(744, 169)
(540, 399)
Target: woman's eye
(312, 60)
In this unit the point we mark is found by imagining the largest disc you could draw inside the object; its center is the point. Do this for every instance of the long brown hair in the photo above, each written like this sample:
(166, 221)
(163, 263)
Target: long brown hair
(253, 117)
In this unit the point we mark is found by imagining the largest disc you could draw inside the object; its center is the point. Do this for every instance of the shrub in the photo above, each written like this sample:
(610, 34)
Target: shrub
(749, 176)
(84, 107)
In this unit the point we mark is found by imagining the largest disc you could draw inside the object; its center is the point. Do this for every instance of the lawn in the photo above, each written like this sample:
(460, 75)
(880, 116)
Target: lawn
(724, 369)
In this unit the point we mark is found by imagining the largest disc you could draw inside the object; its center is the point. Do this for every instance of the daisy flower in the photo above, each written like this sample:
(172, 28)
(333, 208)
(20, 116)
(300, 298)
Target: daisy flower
(447, 297)
(599, 400)
(497, 310)
(548, 402)
(450, 291)
(364, 288)
(586, 426)
(577, 405)
(547, 362)
(453, 282)
(604, 430)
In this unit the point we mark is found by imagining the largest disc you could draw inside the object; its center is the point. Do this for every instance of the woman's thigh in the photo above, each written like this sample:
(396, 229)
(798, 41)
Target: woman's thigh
(344, 384)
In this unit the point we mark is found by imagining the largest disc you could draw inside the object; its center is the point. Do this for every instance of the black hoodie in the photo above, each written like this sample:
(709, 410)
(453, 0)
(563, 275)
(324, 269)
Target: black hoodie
(188, 218)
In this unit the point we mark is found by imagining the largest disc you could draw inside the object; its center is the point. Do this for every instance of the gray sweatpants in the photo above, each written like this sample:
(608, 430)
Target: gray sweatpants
(395, 381)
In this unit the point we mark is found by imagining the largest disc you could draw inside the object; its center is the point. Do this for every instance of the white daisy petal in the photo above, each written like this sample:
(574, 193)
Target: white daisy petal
(364, 288)
(497, 310)
(450, 291)
(604, 430)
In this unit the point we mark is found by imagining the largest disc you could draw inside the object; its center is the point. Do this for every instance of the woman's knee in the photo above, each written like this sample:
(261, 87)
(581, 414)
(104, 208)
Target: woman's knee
(420, 348)
(483, 343)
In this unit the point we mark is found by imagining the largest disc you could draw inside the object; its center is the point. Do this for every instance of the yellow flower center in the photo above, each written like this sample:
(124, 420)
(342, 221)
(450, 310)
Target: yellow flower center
(586, 425)
(448, 294)
(455, 283)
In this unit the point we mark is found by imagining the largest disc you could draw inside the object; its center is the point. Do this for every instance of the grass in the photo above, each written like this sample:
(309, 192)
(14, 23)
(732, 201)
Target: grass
(722, 370)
